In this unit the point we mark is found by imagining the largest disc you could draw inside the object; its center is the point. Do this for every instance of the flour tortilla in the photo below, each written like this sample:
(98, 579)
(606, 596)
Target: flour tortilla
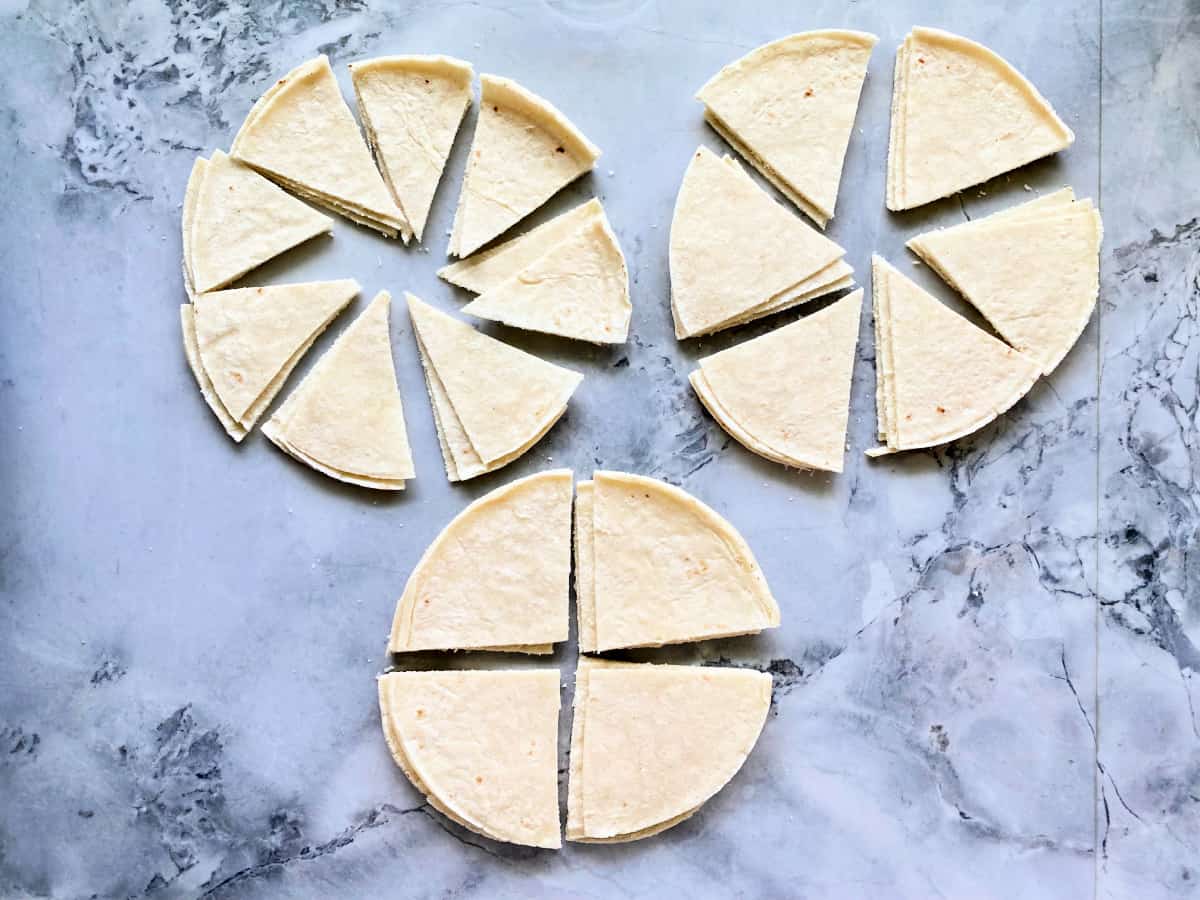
(411, 108)
(497, 576)
(788, 107)
(187, 321)
(734, 249)
(301, 134)
(524, 151)
(667, 569)
(579, 289)
(482, 746)
(788, 392)
(585, 566)
(199, 167)
(966, 115)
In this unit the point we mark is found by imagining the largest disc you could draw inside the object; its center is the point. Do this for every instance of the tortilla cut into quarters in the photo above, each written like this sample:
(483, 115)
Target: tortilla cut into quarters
(787, 393)
(944, 377)
(411, 108)
(789, 107)
(656, 742)
(524, 151)
(347, 415)
(498, 576)
(961, 115)
(734, 249)
(667, 569)
(579, 289)
(187, 321)
(301, 134)
(482, 746)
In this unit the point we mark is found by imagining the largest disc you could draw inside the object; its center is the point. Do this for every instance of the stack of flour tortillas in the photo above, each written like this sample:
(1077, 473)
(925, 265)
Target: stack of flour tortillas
(653, 566)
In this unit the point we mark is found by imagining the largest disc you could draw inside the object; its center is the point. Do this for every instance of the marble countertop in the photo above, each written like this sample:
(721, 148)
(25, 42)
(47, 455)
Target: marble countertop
(986, 681)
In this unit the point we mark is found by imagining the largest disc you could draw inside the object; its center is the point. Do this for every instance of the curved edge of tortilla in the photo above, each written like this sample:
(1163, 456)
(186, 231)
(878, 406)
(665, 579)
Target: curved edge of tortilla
(300, 72)
(274, 433)
(539, 111)
(784, 45)
(434, 63)
(187, 322)
(708, 398)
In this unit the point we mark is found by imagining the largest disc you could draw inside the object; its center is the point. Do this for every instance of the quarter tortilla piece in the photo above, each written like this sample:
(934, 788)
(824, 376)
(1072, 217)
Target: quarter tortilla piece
(789, 107)
(961, 115)
(786, 395)
(497, 577)
(346, 418)
(301, 134)
(482, 746)
(524, 151)
(650, 744)
(411, 108)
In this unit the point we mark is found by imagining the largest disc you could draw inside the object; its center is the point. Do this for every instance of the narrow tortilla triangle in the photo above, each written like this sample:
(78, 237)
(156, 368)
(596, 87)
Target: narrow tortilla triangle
(411, 107)
(524, 151)
(498, 575)
(788, 108)
(786, 395)
(301, 134)
(346, 416)
(482, 746)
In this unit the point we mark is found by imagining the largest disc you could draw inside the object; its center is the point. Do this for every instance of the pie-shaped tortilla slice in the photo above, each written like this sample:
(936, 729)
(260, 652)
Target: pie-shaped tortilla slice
(411, 107)
(734, 249)
(665, 569)
(961, 115)
(524, 151)
(578, 289)
(1035, 276)
(491, 402)
(346, 419)
(498, 575)
(650, 744)
(302, 134)
(943, 377)
(786, 395)
(481, 745)
(788, 108)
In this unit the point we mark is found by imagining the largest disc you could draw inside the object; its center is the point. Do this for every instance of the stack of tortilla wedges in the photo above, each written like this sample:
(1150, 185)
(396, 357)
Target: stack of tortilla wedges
(653, 566)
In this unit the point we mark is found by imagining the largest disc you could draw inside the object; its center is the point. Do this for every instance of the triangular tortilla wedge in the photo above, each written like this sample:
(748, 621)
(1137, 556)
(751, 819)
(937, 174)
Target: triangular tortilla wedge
(411, 107)
(578, 289)
(524, 151)
(667, 569)
(481, 745)
(187, 320)
(347, 415)
(965, 115)
(789, 107)
(497, 576)
(655, 742)
(503, 398)
(944, 378)
(247, 338)
(301, 134)
(733, 248)
(787, 393)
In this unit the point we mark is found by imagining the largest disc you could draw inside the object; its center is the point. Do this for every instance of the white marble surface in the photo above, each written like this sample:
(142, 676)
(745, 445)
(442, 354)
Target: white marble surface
(986, 680)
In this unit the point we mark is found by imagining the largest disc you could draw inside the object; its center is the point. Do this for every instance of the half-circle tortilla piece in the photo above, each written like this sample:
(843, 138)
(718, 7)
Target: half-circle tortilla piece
(788, 107)
(481, 745)
(788, 391)
(347, 415)
(489, 268)
(967, 116)
(579, 289)
(524, 151)
(733, 248)
(668, 569)
(411, 108)
(497, 576)
(301, 134)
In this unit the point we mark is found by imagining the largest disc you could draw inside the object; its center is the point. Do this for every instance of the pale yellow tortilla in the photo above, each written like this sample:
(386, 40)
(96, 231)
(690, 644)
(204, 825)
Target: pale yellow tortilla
(524, 151)
(481, 745)
(187, 321)
(585, 561)
(497, 576)
(411, 108)
(187, 218)
(788, 107)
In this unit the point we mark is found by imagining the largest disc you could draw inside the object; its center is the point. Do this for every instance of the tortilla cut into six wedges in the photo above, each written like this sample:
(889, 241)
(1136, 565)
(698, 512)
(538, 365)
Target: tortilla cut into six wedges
(788, 108)
(482, 746)
(961, 115)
